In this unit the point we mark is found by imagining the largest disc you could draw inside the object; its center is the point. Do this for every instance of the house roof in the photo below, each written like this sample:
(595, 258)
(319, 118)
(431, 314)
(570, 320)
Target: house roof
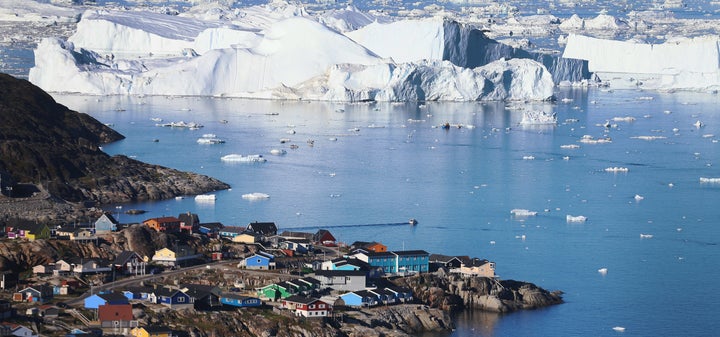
(334, 273)
(323, 232)
(380, 254)
(310, 280)
(167, 291)
(442, 258)
(301, 299)
(410, 252)
(113, 297)
(163, 219)
(212, 225)
(115, 312)
(110, 217)
(235, 296)
(233, 229)
(189, 218)
(157, 329)
(125, 256)
(474, 262)
(289, 234)
(264, 228)
(200, 290)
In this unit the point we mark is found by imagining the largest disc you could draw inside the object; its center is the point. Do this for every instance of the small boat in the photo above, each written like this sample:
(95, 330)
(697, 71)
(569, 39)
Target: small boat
(413, 222)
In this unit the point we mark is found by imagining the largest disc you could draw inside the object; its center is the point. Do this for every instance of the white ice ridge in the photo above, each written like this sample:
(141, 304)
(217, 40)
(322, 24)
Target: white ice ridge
(575, 218)
(683, 64)
(519, 212)
(288, 55)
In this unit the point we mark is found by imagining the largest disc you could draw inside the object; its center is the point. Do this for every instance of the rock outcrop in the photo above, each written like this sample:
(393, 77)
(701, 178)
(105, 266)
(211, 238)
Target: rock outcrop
(453, 292)
(52, 154)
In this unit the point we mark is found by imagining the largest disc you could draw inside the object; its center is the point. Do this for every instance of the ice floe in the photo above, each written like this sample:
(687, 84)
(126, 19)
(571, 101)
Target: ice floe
(255, 196)
(519, 212)
(578, 218)
(616, 169)
(252, 158)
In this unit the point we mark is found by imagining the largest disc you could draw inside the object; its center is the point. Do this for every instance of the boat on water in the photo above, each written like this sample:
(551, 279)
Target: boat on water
(413, 222)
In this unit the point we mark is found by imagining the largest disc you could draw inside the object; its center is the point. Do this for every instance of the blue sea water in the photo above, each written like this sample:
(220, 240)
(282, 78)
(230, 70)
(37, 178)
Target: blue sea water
(372, 167)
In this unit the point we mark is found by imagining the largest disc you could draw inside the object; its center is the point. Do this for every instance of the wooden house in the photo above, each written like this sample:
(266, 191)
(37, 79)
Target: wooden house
(37, 293)
(239, 301)
(375, 247)
(476, 267)
(325, 238)
(360, 298)
(204, 297)
(211, 229)
(173, 298)
(246, 237)
(129, 263)
(189, 222)
(106, 223)
(259, 260)
(169, 224)
(33, 232)
(174, 257)
(266, 229)
(112, 298)
(19, 330)
(92, 266)
(437, 261)
(118, 316)
(343, 280)
(276, 291)
(307, 306)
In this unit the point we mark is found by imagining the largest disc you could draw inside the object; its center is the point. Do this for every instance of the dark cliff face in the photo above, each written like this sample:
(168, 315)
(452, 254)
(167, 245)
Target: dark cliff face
(44, 143)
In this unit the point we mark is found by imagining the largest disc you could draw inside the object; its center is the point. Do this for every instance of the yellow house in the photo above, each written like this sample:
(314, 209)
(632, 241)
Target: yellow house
(151, 331)
(246, 238)
(171, 257)
(478, 267)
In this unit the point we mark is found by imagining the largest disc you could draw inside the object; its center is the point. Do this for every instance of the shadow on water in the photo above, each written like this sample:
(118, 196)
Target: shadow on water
(470, 323)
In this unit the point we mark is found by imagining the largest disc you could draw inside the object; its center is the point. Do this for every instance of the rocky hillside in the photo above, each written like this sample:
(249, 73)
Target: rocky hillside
(45, 147)
(453, 292)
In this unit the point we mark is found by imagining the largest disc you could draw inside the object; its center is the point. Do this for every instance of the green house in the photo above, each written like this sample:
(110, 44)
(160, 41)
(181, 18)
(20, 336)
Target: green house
(276, 291)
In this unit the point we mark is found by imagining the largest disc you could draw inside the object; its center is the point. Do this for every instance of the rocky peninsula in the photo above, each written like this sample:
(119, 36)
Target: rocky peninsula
(52, 166)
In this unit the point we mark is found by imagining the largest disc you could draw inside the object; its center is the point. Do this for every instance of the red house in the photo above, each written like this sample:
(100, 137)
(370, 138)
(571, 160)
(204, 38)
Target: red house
(116, 316)
(325, 238)
(307, 306)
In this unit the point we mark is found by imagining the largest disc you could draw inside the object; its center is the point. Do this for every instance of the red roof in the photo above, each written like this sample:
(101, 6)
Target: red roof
(115, 312)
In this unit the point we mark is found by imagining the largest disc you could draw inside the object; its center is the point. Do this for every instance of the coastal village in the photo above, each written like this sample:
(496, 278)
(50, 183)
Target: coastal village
(306, 275)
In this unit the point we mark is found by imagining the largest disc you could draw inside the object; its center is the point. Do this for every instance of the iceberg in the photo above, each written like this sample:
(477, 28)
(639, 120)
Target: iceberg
(288, 56)
(205, 198)
(683, 64)
(238, 158)
(522, 212)
(578, 218)
(255, 196)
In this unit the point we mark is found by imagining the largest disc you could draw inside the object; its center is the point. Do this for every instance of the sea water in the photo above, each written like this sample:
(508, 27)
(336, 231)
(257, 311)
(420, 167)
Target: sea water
(363, 170)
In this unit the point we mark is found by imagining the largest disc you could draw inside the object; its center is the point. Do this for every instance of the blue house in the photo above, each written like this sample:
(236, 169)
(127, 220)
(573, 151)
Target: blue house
(138, 293)
(239, 301)
(360, 298)
(95, 301)
(260, 260)
(38, 293)
(397, 262)
(173, 298)
(210, 228)
(106, 223)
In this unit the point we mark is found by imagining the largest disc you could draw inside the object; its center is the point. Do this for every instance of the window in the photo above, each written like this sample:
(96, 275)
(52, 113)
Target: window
(312, 306)
(321, 306)
(181, 299)
(258, 261)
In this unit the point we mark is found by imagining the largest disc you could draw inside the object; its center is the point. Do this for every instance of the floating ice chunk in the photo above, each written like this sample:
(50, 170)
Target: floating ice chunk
(209, 138)
(619, 329)
(566, 158)
(205, 198)
(255, 196)
(704, 180)
(528, 157)
(538, 118)
(252, 158)
(617, 169)
(639, 197)
(645, 236)
(277, 152)
(522, 212)
(648, 137)
(624, 119)
(578, 218)
(602, 271)
(587, 139)
(570, 146)
(698, 124)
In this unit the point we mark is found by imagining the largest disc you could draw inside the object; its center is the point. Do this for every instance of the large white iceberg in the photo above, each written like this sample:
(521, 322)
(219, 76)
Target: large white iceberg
(293, 57)
(686, 64)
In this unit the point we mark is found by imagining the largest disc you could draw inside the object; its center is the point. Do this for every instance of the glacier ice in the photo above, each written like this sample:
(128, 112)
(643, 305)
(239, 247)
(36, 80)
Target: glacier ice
(291, 56)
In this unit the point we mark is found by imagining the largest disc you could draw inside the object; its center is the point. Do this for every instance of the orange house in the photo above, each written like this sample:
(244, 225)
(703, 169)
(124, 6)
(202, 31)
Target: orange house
(376, 247)
(164, 224)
